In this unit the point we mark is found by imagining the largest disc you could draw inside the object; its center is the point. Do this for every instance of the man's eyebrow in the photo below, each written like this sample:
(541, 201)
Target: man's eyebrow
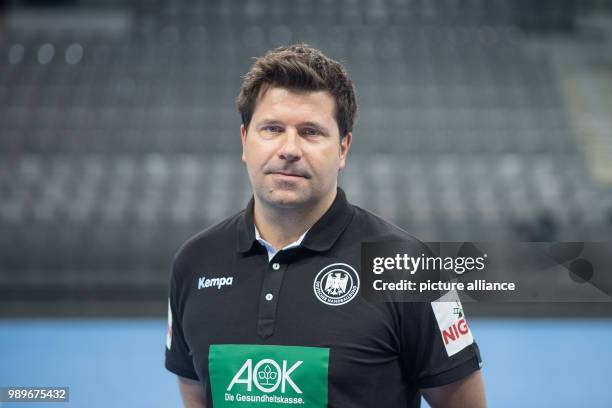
(269, 122)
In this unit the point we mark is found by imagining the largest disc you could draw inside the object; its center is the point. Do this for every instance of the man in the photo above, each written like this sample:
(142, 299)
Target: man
(264, 307)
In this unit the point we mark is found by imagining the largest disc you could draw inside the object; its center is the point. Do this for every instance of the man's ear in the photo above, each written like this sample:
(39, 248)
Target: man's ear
(243, 136)
(345, 145)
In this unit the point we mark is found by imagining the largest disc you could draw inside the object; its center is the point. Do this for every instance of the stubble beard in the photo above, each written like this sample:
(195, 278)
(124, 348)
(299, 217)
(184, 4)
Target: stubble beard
(286, 195)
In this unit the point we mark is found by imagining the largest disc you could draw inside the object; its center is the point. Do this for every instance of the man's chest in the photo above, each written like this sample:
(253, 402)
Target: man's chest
(314, 301)
(313, 305)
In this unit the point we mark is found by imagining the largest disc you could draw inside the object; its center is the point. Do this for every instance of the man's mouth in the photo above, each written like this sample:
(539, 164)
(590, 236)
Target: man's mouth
(288, 174)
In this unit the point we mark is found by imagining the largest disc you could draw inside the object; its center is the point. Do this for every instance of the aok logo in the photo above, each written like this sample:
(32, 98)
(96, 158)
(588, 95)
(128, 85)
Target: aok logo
(267, 375)
(454, 332)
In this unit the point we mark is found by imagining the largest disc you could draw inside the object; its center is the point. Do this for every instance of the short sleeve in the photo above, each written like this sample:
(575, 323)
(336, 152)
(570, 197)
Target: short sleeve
(438, 347)
(178, 355)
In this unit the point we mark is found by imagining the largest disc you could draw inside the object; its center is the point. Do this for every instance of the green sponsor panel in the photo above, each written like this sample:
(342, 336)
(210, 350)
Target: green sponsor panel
(246, 375)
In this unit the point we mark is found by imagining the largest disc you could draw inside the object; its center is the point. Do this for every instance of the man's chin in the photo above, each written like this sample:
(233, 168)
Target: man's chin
(286, 198)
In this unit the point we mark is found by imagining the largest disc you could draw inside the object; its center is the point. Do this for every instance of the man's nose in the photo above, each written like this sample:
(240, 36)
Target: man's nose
(291, 150)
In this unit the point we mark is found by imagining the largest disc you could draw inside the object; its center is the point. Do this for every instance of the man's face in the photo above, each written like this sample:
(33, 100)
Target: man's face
(292, 148)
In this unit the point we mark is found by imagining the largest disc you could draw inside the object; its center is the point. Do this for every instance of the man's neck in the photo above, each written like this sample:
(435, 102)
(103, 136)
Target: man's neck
(282, 226)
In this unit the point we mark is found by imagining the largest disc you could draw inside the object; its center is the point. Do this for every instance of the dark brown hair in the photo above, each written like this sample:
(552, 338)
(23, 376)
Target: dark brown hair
(302, 68)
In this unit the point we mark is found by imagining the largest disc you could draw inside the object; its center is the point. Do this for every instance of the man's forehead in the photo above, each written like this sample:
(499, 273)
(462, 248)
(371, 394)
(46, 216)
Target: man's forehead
(276, 97)
(268, 89)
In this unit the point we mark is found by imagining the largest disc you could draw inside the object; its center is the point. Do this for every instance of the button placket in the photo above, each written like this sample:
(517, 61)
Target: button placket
(273, 279)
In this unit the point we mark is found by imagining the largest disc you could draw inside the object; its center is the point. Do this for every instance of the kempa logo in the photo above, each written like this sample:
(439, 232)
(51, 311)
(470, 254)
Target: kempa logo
(336, 284)
(267, 375)
(212, 282)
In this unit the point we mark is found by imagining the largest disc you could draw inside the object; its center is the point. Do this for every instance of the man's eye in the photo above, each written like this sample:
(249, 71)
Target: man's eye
(311, 132)
(272, 129)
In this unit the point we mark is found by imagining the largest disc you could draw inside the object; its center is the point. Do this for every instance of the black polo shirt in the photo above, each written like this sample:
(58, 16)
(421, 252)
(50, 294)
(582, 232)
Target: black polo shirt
(294, 331)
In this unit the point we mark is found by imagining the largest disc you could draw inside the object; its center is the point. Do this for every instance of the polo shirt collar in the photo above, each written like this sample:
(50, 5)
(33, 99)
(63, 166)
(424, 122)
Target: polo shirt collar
(320, 237)
(271, 250)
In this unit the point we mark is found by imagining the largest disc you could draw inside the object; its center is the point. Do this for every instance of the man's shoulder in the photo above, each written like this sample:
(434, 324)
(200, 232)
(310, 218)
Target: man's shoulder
(372, 227)
(212, 241)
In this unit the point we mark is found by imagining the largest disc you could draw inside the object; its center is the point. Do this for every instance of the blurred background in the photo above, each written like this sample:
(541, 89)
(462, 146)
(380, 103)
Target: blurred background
(478, 120)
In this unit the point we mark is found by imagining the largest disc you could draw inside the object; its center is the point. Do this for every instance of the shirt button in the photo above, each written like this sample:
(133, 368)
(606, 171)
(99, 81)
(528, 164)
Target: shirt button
(269, 296)
(275, 266)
